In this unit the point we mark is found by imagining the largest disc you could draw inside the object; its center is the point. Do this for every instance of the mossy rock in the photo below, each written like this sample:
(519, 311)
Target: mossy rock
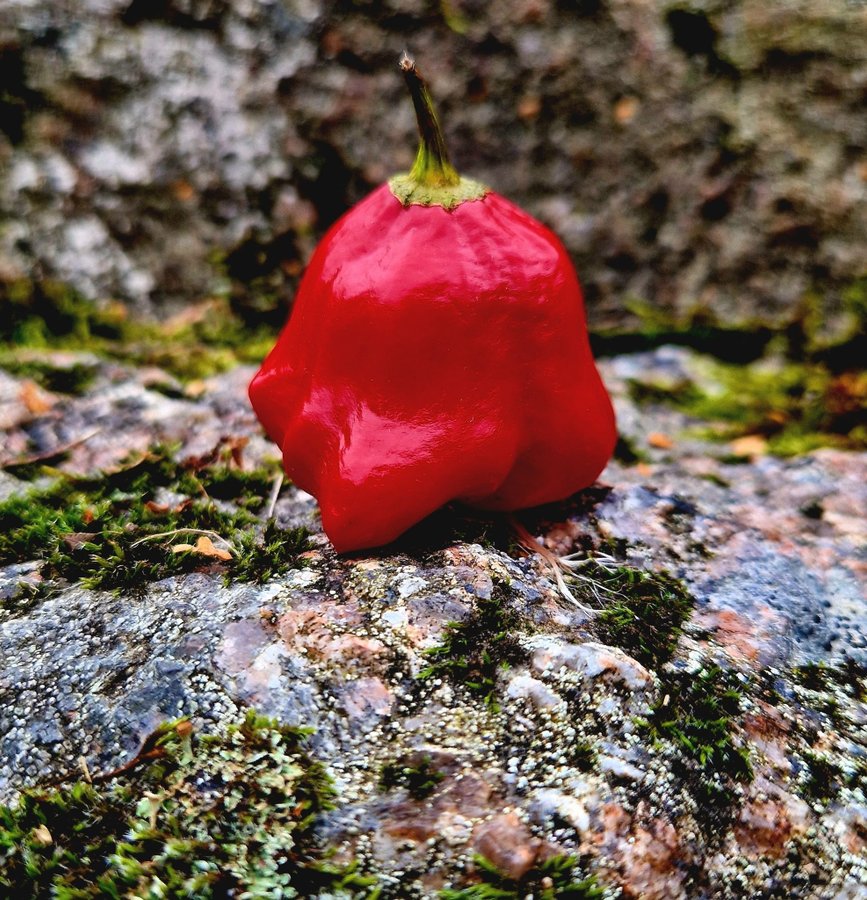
(223, 815)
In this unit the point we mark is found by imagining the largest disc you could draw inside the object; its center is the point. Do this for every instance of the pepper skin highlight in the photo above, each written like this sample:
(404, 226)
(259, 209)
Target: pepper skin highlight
(437, 351)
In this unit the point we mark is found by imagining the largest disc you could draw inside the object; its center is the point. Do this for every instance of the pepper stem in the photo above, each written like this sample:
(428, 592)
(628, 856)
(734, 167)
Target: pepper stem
(432, 166)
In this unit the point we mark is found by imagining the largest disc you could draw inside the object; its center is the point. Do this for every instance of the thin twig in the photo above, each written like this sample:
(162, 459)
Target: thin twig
(534, 546)
(82, 761)
(48, 454)
(148, 751)
(176, 531)
(602, 560)
(144, 755)
(201, 488)
(275, 493)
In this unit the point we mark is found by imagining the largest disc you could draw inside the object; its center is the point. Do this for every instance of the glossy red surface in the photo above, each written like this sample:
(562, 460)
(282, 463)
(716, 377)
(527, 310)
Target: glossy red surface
(434, 356)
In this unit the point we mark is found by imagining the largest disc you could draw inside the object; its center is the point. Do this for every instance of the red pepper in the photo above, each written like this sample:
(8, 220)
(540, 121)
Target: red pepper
(437, 351)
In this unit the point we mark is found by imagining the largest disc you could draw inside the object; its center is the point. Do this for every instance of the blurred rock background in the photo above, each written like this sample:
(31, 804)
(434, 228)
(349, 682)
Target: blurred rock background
(704, 161)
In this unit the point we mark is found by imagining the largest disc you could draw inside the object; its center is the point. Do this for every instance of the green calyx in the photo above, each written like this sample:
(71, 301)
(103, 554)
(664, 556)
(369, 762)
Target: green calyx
(410, 191)
(433, 180)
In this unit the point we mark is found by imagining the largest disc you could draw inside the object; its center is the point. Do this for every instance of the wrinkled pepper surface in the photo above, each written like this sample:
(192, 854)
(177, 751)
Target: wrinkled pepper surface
(437, 351)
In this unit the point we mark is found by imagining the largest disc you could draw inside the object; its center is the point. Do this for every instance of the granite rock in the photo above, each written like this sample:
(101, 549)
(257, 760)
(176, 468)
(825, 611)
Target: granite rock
(555, 756)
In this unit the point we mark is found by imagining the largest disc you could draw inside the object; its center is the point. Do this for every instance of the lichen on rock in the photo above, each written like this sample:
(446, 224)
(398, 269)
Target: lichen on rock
(210, 816)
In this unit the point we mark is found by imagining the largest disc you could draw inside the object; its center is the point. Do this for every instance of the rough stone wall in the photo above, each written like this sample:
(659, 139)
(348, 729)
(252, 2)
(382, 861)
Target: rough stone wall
(694, 156)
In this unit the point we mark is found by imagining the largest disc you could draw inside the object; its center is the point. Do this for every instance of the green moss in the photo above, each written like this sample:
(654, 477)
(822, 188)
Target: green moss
(827, 327)
(222, 815)
(824, 679)
(814, 676)
(652, 327)
(698, 714)
(416, 774)
(626, 451)
(855, 303)
(263, 555)
(713, 478)
(824, 776)
(453, 17)
(204, 341)
(824, 779)
(583, 756)
(245, 487)
(680, 393)
(556, 878)
(644, 612)
(48, 313)
(114, 531)
(855, 298)
(475, 649)
(832, 328)
(74, 378)
(797, 407)
(828, 689)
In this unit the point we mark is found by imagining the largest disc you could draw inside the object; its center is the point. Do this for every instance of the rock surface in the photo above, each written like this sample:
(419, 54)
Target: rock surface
(550, 755)
(701, 158)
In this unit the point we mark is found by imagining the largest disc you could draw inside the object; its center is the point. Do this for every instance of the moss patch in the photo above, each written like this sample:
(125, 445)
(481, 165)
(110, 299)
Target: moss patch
(826, 776)
(626, 451)
(203, 340)
(220, 816)
(556, 878)
(698, 714)
(739, 345)
(266, 554)
(474, 650)
(644, 613)
(415, 773)
(74, 378)
(123, 529)
(821, 678)
(796, 407)
(583, 756)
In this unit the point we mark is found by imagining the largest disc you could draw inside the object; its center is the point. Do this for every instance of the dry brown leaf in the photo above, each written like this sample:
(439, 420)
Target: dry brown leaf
(191, 315)
(749, 445)
(205, 547)
(35, 399)
(236, 447)
(529, 106)
(195, 388)
(182, 548)
(184, 728)
(158, 509)
(42, 836)
(77, 539)
(183, 191)
(625, 110)
(233, 445)
(659, 440)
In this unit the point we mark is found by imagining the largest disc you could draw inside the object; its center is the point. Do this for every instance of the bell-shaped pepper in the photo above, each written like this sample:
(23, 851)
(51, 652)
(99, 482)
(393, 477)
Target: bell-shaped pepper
(437, 351)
